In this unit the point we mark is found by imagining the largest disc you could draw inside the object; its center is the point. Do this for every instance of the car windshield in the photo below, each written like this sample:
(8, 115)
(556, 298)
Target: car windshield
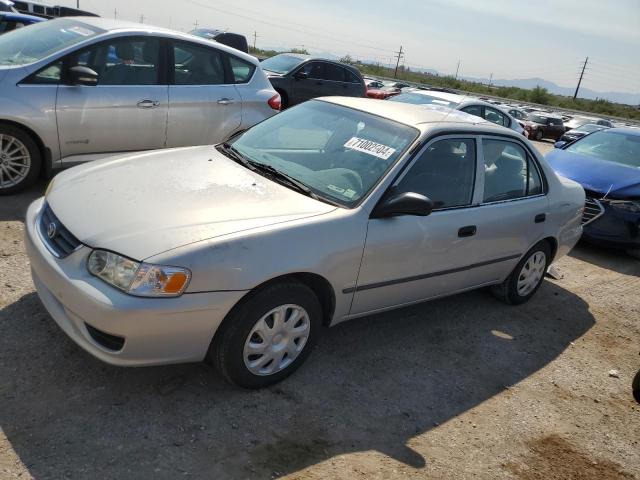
(282, 63)
(28, 45)
(421, 99)
(339, 153)
(537, 118)
(618, 147)
(576, 122)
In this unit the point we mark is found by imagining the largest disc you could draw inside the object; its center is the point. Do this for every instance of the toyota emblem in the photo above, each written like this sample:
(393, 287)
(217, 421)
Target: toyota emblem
(52, 230)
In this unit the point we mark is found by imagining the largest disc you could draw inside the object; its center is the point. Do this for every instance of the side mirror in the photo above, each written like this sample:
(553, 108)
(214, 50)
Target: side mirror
(559, 144)
(83, 76)
(406, 203)
(300, 75)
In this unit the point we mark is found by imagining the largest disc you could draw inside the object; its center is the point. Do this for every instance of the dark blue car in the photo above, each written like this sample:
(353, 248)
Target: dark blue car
(607, 165)
(10, 21)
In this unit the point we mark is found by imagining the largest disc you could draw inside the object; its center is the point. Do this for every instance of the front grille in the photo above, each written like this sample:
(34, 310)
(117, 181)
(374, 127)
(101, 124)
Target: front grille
(593, 209)
(58, 240)
(108, 341)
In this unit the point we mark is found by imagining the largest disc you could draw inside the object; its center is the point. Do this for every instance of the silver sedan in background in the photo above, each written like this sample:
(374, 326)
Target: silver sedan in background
(334, 209)
(79, 89)
(464, 103)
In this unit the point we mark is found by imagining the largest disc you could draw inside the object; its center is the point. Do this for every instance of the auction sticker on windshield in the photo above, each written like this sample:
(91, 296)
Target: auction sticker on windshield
(369, 147)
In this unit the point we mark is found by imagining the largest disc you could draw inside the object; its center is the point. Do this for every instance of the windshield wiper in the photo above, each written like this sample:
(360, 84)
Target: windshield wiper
(272, 172)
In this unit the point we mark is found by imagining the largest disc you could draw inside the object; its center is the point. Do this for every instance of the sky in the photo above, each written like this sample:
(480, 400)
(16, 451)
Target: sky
(510, 39)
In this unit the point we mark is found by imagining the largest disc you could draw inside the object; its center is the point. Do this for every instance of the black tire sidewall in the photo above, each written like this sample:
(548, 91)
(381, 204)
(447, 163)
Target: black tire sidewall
(36, 158)
(539, 135)
(512, 282)
(228, 346)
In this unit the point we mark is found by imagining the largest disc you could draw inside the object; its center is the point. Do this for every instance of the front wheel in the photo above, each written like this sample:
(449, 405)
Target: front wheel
(268, 335)
(526, 277)
(19, 160)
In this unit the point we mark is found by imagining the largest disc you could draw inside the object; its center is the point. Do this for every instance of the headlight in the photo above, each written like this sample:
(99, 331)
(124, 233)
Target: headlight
(632, 206)
(136, 278)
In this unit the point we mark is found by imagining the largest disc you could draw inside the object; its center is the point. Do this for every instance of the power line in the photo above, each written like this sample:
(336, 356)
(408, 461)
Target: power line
(581, 75)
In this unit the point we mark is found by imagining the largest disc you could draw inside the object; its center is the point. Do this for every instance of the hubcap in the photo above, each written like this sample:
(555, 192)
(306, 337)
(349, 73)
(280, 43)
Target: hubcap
(531, 273)
(15, 161)
(277, 339)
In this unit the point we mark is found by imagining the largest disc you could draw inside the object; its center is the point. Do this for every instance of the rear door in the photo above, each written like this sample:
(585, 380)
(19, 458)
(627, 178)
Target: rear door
(126, 111)
(204, 105)
(354, 85)
(335, 80)
(555, 128)
(513, 207)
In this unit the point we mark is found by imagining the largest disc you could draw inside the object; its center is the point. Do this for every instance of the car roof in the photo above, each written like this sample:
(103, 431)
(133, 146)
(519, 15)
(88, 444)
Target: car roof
(421, 117)
(113, 25)
(627, 130)
(21, 16)
(450, 97)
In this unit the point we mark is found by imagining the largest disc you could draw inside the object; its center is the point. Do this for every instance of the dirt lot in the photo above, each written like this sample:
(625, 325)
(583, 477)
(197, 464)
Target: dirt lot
(463, 387)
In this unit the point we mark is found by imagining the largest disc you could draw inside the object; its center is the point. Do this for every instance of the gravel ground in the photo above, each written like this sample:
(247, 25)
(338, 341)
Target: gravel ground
(462, 387)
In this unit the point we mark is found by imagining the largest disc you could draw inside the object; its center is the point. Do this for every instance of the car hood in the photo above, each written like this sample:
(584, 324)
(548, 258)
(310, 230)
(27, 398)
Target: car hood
(145, 204)
(601, 176)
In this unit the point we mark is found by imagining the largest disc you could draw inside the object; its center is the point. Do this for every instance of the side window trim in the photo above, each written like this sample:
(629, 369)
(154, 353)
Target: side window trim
(530, 160)
(417, 155)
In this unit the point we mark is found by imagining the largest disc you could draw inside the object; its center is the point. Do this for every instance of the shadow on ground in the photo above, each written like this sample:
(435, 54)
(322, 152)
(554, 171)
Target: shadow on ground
(14, 207)
(370, 384)
(611, 259)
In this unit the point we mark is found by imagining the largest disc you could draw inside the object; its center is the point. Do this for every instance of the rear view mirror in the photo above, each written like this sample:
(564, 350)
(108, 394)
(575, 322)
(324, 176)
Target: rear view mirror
(300, 75)
(83, 76)
(559, 144)
(406, 203)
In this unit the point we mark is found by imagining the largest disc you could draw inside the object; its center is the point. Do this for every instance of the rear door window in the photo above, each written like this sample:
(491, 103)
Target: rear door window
(334, 73)
(198, 65)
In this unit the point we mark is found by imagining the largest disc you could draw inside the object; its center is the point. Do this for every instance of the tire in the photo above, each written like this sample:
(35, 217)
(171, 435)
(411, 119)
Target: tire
(20, 160)
(512, 291)
(251, 324)
(539, 135)
(636, 387)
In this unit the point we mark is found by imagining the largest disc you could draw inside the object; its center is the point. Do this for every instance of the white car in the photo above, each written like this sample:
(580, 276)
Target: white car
(465, 103)
(334, 209)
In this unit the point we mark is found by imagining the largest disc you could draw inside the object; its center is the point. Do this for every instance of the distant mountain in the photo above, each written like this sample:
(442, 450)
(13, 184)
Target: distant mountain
(529, 83)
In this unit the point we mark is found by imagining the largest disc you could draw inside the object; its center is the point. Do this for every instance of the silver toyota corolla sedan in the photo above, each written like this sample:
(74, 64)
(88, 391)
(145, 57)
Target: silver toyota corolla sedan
(79, 89)
(334, 209)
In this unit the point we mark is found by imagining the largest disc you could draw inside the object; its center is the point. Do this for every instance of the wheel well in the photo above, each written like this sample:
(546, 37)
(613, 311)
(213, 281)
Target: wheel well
(553, 244)
(36, 138)
(318, 284)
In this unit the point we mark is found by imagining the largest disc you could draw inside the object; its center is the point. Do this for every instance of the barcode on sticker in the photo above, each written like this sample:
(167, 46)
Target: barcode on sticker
(369, 147)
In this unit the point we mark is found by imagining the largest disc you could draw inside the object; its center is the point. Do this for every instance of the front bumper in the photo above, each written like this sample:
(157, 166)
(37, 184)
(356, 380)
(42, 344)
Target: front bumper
(614, 228)
(156, 331)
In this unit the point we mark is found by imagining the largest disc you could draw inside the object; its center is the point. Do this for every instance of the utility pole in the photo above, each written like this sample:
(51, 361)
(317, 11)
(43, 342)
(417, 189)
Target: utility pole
(490, 79)
(400, 55)
(115, 13)
(195, 24)
(142, 18)
(78, 4)
(255, 36)
(457, 69)
(586, 60)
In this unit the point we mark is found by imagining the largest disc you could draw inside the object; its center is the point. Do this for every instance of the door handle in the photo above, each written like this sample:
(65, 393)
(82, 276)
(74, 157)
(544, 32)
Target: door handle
(226, 101)
(541, 217)
(148, 103)
(468, 231)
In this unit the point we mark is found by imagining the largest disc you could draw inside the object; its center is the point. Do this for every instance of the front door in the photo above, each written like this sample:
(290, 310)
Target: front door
(204, 105)
(313, 85)
(411, 258)
(126, 111)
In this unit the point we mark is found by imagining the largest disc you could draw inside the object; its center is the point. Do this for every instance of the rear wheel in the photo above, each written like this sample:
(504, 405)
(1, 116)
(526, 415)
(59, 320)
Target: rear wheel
(526, 277)
(19, 160)
(636, 387)
(268, 335)
(538, 135)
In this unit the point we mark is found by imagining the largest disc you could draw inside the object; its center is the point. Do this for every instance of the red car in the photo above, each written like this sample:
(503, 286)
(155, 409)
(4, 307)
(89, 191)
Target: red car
(382, 93)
